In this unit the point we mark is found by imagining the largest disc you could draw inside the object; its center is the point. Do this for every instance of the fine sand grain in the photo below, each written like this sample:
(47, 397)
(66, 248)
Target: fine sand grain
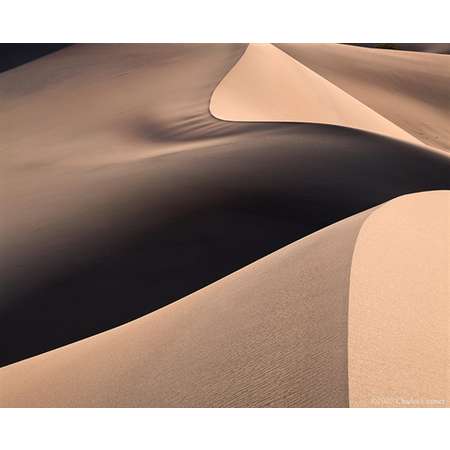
(399, 305)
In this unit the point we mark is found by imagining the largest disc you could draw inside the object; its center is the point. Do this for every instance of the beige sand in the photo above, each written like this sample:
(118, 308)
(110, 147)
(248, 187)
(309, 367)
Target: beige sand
(399, 305)
(120, 193)
(267, 85)
(411, 89)
(275, 332)
(271, 334)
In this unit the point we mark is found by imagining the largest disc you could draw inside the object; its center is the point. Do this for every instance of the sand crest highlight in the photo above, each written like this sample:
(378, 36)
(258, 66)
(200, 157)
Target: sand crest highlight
(156, 255)
(267, 85)
(399, 305)
(409, 89)
(272, 334)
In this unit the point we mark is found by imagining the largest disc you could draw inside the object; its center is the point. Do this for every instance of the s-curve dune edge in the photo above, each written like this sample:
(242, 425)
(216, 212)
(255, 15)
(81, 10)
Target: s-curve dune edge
(156, 255)
(268, 85)
(340, 318)
(399, 308)
(273, 334)
(121, 193)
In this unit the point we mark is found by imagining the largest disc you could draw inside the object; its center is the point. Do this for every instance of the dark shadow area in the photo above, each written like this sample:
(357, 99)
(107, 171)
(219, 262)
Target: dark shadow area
(241, 202)
(13, 55)
(442, 47)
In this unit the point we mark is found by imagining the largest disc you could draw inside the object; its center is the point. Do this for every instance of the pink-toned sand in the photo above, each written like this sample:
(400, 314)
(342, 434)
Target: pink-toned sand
(267, 85)
(123, 190)
(399, 305)
(408, 88)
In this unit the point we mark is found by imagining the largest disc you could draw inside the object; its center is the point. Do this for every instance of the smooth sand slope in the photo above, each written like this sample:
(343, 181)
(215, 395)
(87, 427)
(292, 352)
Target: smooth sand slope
(411, 89)
(267, 85)
(353, 315)
(121, 193)
(399, 332)
(271, 334)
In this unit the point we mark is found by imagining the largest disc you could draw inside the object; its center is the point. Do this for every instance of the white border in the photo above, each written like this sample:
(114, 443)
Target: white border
(224, 21)
(369, 429)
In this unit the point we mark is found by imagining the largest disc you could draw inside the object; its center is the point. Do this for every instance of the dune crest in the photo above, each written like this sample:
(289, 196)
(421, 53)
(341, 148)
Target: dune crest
(267, 85)
(331, 320)
(271, 334)
(91, 141)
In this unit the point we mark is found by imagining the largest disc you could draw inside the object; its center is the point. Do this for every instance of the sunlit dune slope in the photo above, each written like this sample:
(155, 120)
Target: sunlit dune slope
(339, 318)
(411, 89)
(399, 305)
(267, 85)
(271, 334)
(121, 193)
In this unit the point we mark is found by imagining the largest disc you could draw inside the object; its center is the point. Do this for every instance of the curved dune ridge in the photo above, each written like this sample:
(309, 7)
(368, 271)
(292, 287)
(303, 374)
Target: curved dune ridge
(230, 344)
(272, 334)
(122, 194)
(267, 85)
(110, 155)
(399, 305)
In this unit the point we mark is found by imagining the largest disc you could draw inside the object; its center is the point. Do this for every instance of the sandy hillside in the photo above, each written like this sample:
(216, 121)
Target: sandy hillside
(109, 154)
(267, 85)
(271, 334)
(301, 327)
(122, 194)
(399, 305)
(408, 88)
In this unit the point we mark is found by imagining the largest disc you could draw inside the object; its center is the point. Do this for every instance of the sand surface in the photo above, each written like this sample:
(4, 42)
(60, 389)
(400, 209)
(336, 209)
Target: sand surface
(271, 334)
(399, 305)
(339, 318)
(413, 47)
(408, 88)
(267, 85)
(122, 194)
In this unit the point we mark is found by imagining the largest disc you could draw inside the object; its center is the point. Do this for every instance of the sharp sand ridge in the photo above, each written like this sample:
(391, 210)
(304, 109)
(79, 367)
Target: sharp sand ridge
(267, 85)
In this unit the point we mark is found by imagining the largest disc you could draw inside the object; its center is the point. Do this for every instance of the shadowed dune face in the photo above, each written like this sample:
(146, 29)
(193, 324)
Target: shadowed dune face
(417, 47)
(269, 191)
(408, 88)
(13, 55)
(122, 194)
(231, 345)
(272, 334)
(143, 197)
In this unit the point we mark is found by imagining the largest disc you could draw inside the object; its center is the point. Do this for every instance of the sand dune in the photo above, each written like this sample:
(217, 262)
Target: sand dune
(121, 193)
(399, 305)
(267, 85)
(271, 334)
(408, 88)
(275, 332)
